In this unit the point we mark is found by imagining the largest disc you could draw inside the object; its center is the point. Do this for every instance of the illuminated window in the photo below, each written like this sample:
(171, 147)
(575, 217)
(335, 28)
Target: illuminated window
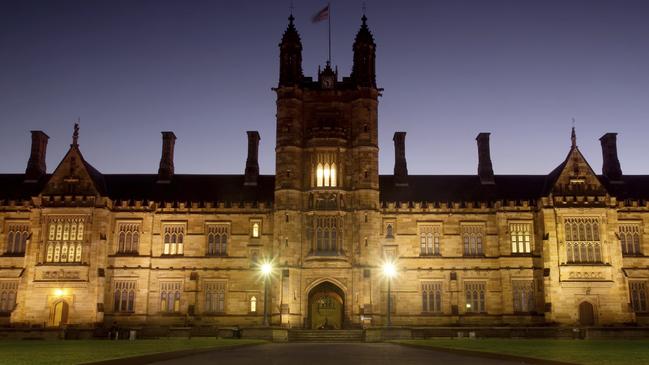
(8, 292)
(523, 292)
(431, 297)
(630, 239)
(174, 238)
(319, 176)
(326, 175)
(17, 235)
(124, 296)
(255, 230)
(215, 297)
(582, 240)
(475, 297)
(128, 238)
(170, 294)
(521, 236)
(217, 239)
(472, 236)
(253, 304)
(65, 239)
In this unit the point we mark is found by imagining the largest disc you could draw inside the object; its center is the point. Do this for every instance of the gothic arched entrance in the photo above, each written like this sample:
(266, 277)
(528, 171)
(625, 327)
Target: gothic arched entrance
(60, 313)
(586, 314)
(326, 307)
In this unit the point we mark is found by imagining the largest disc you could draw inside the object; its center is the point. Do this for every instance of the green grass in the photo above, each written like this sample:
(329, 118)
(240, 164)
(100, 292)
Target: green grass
(80, 351)
(587, 352)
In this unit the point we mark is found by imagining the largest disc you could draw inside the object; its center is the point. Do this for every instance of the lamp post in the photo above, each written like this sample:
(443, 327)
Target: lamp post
(266, 270)
(389, 270)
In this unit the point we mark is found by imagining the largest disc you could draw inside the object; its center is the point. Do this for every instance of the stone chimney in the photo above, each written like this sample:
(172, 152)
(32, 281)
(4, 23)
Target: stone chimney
(36, 168)
(485, 169)
(400, 165)
(166, 170)
(252, 162)
(611, 165)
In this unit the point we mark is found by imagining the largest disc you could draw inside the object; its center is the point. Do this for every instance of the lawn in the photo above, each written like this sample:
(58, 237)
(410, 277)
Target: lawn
(80, 351)
(587, 352)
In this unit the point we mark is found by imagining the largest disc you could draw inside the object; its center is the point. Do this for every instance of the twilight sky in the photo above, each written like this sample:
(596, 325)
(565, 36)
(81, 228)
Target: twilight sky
(204, 69)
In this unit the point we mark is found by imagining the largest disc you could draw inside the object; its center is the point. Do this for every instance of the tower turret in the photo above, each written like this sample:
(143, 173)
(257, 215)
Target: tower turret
(290, 56)
(364, 68)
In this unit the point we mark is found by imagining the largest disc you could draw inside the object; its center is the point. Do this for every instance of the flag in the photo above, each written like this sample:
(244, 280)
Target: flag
(321, 15)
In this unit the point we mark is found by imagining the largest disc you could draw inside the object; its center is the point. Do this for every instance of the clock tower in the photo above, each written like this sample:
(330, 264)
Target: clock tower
(327, 182)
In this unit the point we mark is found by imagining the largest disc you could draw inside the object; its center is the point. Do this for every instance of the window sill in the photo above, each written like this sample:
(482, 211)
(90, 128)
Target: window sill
(635, 255)
(171, 314)
(172, 255)
(126, 254)
(62, 264)
(430, 255)
(216, 255)
(13, 254)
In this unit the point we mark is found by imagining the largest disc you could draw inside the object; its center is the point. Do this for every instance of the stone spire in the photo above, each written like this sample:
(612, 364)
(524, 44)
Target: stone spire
(290, 56)
(364, 68)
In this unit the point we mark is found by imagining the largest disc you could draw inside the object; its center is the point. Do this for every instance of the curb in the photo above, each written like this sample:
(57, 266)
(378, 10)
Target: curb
(489, 355)
(162, 356)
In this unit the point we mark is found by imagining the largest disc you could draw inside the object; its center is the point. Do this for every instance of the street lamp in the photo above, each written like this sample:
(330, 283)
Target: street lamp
(390, 271)
(266, 271)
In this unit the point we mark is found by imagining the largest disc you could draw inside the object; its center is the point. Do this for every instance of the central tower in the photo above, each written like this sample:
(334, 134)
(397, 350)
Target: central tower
(327, 183)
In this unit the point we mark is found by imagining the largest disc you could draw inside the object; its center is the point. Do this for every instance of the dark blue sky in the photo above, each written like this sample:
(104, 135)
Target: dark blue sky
(204, 69)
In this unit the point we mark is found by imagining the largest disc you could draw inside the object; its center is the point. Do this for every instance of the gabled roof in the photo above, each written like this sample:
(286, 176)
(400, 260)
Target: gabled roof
(89, 181)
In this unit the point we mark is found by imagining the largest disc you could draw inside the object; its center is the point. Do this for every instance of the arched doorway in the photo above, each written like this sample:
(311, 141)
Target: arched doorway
(326, 307)
(60, 313)
(586, 314)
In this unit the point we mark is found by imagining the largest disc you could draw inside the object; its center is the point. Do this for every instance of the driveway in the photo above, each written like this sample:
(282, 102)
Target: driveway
(332, 353)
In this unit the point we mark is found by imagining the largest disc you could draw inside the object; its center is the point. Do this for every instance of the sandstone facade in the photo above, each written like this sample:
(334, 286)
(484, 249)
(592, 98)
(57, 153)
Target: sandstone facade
(86, 248)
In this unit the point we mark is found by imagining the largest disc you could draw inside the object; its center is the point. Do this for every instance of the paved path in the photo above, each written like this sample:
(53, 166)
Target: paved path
(332, 353)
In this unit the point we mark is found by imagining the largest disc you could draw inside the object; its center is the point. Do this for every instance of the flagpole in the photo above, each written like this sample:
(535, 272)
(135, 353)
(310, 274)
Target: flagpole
(329, 19)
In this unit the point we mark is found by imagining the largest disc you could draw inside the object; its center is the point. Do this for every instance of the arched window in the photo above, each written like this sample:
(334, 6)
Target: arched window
(217, 239)
(319, 176)
(255, 229)
(472, 237)
(389, 231)
(64, 239)
(582, 240)
(253, 304)
(327, 175)
(630, 239)
(174, 239)
(122, 242)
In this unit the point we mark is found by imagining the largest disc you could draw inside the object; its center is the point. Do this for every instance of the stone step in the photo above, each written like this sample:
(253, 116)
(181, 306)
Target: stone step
(325, 335)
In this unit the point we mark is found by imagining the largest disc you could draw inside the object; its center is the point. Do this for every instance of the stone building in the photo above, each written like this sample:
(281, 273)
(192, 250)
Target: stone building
(86, 248)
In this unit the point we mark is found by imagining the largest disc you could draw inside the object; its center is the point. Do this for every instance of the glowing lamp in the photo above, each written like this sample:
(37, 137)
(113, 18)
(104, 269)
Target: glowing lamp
(389, 270)
(266, 268)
